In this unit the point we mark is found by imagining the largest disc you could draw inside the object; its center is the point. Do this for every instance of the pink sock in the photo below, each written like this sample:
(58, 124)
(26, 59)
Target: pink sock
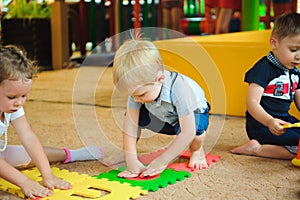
(68, 155)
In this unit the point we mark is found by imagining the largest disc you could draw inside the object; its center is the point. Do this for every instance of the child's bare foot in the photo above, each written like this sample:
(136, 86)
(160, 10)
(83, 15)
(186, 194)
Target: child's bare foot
(115, 160)
(198, 160)
(247, 149)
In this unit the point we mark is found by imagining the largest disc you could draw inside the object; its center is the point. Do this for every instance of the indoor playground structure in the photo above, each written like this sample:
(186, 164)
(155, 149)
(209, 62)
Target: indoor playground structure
(94, 21)
(104, 18)
(217, 62)
(99, 20)
(229, 52)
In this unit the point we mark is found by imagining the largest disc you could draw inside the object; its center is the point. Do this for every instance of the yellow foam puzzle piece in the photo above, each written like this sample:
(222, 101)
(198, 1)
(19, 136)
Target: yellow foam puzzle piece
(83, 187)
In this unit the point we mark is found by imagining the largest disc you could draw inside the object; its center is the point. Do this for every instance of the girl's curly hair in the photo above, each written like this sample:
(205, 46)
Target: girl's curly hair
(15, 65)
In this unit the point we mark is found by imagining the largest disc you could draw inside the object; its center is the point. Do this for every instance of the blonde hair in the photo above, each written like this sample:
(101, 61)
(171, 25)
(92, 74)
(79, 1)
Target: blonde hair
(286, 25)
(136, 62)
(14, 64)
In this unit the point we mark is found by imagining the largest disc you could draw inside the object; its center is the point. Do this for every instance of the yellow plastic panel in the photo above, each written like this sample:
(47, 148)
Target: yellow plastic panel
(219, 65)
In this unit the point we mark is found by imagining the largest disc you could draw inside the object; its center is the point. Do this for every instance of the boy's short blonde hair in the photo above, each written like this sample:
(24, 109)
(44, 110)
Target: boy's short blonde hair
(137, 62)
(286, 25)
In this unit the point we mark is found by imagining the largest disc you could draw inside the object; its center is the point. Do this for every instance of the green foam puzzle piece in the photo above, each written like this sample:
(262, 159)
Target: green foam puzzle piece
(168, 176)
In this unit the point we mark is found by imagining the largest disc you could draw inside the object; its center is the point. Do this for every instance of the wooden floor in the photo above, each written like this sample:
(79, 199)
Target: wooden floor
(78, 107)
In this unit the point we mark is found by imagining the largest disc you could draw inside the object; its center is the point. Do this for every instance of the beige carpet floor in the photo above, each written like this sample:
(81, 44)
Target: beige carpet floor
(77, 107)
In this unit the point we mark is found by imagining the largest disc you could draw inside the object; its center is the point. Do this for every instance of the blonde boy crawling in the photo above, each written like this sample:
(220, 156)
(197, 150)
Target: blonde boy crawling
(162, 101)
(16, 72)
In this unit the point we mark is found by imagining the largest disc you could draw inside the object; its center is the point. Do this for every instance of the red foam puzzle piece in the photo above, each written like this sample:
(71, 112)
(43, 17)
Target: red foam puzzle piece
(209, 158)
(212, 158)
(184, 166)
(181, 166)
(186, 154)
(147, 158)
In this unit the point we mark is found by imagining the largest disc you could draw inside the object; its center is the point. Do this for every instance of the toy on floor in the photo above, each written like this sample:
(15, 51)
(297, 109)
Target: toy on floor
(139, 178)
(210, 159)
(83, 187)
(147, 158)
(174, 172)
(168, 176)
(296, 161)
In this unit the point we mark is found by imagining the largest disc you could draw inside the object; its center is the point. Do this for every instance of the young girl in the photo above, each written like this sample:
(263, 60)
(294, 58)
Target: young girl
(162, 101)
(16, 72)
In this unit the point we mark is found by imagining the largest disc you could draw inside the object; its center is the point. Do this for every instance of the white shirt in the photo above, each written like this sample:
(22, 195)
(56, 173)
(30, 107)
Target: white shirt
(8, 117)
(181, 99)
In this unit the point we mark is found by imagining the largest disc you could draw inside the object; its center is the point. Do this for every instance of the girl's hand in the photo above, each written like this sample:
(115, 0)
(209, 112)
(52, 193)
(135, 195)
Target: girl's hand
(53, 182)
(275, 126)
(33, 189)
(157, 166)
(133, 171)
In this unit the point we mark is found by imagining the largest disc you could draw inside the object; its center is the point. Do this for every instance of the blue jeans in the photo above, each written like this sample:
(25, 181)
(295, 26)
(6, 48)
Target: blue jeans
(151, 122)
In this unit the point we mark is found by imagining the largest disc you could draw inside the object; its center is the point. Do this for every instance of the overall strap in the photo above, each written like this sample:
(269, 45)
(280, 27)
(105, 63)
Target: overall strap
(173, 77)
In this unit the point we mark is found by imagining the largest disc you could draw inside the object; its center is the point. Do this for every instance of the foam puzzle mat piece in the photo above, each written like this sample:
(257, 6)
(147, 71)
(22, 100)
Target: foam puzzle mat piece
(181, 166)
(139, 178)
(147, 158)
(210, 159)
(83, 187)
(186, 154)
(168, 176)
(184, 166)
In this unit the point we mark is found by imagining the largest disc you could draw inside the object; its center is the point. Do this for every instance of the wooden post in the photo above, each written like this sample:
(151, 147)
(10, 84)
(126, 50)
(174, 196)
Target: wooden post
(83, 26)
(92, 21)
(59, 34)
(118, 23)
(112, 18)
